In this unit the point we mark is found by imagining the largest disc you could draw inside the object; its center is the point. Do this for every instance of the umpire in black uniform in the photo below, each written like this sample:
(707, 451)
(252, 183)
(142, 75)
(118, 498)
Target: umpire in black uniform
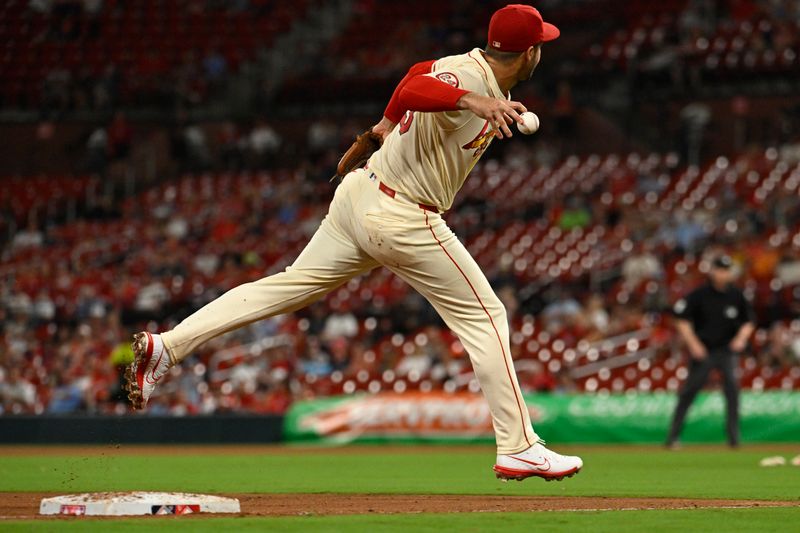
(715, 321)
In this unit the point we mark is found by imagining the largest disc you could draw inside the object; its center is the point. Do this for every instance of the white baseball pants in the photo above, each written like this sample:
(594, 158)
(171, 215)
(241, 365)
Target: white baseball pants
(366, 228)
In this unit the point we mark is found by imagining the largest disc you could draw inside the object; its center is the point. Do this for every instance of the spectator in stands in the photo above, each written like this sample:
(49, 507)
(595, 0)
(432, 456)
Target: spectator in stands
(89, 304)
(97, 149)
(263, 143)
(44, 308)
(561, 311)
(278, 399)
(648, 182)
(245, 374)
(575, 214)
(363, 359)
(418, 362)
(151, 296)
(695, 118)
(68, 396)
(17, 394)
(340, 323)
(340, 354)
(683, 231)
(30, 237)
(782, 349)
(763, 258)
(788, 270)
(642, 265)
(316, 361)
(196, 147)
(596, 314)
(323, 135)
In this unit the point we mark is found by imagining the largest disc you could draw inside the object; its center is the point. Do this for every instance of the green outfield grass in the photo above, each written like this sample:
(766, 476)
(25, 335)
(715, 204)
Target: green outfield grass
(625, 472)
(699, 473)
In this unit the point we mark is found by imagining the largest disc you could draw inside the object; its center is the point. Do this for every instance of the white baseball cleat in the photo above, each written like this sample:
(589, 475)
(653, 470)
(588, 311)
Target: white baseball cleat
(151, 361)
(537, 461)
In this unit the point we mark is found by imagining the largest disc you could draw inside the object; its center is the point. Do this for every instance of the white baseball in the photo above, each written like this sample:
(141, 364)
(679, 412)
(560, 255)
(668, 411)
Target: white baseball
(530, 123)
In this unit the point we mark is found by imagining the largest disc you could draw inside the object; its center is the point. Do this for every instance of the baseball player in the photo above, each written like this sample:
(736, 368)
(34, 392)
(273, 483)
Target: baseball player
(442, 117)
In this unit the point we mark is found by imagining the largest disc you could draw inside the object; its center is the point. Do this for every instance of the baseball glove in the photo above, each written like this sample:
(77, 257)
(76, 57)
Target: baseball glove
(359, 152)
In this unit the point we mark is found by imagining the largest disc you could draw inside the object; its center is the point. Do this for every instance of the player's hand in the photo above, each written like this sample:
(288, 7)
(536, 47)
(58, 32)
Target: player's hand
(738, 345)
(499, 113)
(384, 127)
(698, 351)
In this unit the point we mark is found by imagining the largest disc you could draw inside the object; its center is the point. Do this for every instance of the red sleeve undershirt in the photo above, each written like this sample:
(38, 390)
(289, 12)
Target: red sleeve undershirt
(416, 92)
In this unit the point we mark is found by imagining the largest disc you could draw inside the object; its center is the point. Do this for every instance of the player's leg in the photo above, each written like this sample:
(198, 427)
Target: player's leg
(444, 272)
(326, 262)
(448, 277)
(329, 259)
(698, 375)
(727, 366)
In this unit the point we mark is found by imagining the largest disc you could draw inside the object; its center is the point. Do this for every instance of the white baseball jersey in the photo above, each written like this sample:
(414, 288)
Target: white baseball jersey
(429, 155)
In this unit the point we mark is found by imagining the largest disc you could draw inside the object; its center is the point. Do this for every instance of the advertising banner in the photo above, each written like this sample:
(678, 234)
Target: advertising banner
(772, 416)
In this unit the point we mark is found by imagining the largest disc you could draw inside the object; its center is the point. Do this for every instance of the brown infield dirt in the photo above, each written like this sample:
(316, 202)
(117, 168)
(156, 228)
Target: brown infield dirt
(25, 505)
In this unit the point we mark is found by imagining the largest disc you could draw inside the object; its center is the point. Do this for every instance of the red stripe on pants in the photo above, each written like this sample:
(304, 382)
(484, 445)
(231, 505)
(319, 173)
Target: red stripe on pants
(497, 333)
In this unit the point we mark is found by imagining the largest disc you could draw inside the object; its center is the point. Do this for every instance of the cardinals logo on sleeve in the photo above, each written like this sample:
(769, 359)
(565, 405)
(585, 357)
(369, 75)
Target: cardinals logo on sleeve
(449, 78)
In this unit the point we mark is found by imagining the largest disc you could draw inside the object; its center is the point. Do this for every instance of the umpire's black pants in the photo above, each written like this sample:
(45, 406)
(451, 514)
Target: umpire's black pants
(724, 360)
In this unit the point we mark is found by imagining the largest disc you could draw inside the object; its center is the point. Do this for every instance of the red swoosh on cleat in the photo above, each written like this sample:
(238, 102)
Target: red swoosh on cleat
(537, 465)
(151, 379)
(141, 366)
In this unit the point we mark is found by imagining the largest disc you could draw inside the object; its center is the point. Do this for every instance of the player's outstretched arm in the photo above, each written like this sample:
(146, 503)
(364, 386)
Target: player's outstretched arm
(499, 113)
(417, 92)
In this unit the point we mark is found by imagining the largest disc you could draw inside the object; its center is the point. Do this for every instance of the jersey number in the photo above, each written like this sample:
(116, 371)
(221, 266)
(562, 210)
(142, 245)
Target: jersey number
(405, 124)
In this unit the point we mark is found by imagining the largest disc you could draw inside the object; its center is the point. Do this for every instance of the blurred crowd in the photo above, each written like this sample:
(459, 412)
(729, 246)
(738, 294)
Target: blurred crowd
(587, 253)
(98, 55)
(72, 294)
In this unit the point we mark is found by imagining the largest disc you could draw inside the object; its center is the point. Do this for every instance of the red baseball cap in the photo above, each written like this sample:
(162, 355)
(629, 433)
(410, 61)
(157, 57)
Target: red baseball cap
(517, 27)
